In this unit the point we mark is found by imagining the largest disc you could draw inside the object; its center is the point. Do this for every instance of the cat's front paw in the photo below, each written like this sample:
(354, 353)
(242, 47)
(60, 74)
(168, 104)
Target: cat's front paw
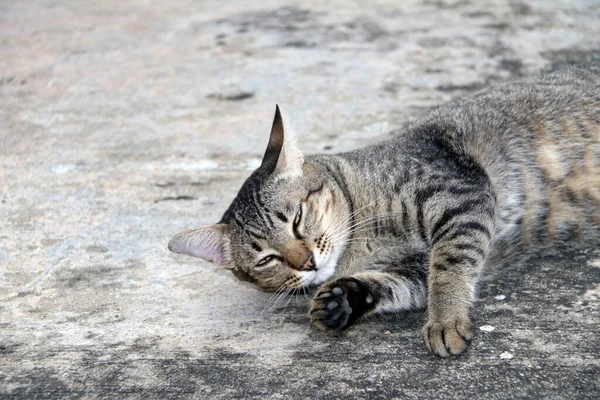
(339, 303)
(448, 337)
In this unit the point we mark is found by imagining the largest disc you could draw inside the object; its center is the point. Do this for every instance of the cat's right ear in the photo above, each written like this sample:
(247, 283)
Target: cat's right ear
(283, 155)
(208, 242)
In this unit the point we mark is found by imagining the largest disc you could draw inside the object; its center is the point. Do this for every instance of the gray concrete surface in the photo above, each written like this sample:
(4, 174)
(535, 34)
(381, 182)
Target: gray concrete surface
(123, 122)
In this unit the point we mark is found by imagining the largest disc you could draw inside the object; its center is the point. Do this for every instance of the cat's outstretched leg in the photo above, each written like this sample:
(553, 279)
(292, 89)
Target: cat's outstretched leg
(397, 282)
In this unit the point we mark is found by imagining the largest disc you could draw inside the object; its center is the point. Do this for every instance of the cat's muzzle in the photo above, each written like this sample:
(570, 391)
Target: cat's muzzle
(309, 264)
(298, 256)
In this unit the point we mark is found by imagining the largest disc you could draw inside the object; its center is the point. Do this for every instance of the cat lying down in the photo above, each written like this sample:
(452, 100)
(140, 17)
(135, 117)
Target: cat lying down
(410, 223)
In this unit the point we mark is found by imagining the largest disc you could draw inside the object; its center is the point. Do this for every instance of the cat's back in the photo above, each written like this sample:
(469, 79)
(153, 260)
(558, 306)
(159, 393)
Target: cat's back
(556, 106)
(549, 106)
(538, 139)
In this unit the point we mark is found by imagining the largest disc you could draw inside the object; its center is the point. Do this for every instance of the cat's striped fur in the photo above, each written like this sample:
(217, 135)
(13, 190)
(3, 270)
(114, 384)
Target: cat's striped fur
(410, 223)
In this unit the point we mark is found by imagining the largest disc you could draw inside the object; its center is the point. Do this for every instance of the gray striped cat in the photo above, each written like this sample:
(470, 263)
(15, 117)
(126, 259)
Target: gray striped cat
(410, 223)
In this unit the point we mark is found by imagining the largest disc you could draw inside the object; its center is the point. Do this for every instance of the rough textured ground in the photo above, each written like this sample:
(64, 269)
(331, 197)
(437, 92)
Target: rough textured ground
(123, 122)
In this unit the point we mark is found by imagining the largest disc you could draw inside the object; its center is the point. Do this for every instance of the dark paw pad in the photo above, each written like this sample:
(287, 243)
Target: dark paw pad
(338, 304)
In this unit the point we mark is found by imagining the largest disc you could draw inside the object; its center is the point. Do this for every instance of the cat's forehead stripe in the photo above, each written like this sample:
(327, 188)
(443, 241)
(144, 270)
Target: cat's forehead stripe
(281, 216)
(255, 234)
(256, 246)
(247, 227)
(248, 209)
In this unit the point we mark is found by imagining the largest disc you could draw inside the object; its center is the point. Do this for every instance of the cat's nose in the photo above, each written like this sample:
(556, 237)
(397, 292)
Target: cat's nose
(309, 264)
(298, 256)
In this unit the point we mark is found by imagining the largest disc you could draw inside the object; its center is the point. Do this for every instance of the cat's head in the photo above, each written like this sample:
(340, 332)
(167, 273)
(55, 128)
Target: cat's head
(285, 228)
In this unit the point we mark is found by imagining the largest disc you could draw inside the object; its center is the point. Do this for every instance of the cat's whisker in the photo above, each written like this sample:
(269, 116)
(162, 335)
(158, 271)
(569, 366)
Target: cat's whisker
(277, 301)
(373, 218)
(273, 300)
(345, 239)
(305, 293)
(345, 220)
(359, 229)
(354, 240)
(351, 229)
(340, 223)
(362, 225)
(349, 216)
(290, 294)
(266, 308)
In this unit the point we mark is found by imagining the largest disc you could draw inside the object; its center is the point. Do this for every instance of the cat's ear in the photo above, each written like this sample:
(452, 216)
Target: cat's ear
(282, 155)
(209, 242)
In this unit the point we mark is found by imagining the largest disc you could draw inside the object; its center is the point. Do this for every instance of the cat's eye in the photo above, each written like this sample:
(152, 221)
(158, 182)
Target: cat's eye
(298, 217)
(264, 260)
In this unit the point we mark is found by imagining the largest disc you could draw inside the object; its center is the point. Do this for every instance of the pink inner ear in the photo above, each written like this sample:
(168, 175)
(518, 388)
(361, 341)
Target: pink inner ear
(204, 242)
(216, 254)
(208, 253)
(219, 258)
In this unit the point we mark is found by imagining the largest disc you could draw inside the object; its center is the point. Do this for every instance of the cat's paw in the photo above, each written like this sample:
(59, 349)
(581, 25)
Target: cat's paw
(338, 304)
(448, 337)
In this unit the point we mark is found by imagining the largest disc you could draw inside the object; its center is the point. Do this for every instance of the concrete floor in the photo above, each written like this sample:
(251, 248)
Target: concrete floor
(124, 122)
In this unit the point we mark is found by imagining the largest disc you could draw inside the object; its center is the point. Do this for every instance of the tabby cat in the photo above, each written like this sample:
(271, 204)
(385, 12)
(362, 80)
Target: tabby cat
(410, 223)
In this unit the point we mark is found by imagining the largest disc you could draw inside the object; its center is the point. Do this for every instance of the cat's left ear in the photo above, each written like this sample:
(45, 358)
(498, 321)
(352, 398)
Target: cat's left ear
(282, 155)
(210, 242)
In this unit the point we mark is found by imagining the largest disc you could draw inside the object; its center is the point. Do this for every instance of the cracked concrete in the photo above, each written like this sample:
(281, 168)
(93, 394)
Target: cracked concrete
(121, 123)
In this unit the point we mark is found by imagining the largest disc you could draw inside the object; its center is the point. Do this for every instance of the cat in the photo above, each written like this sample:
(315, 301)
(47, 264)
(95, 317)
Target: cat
(409, 223)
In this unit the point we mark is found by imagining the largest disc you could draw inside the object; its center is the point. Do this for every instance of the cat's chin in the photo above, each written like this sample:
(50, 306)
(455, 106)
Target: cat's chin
(325, 271)
(325, 266)
(322, 276)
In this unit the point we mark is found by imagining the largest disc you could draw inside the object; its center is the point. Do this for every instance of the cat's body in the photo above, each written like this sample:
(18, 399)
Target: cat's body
(410, 223)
